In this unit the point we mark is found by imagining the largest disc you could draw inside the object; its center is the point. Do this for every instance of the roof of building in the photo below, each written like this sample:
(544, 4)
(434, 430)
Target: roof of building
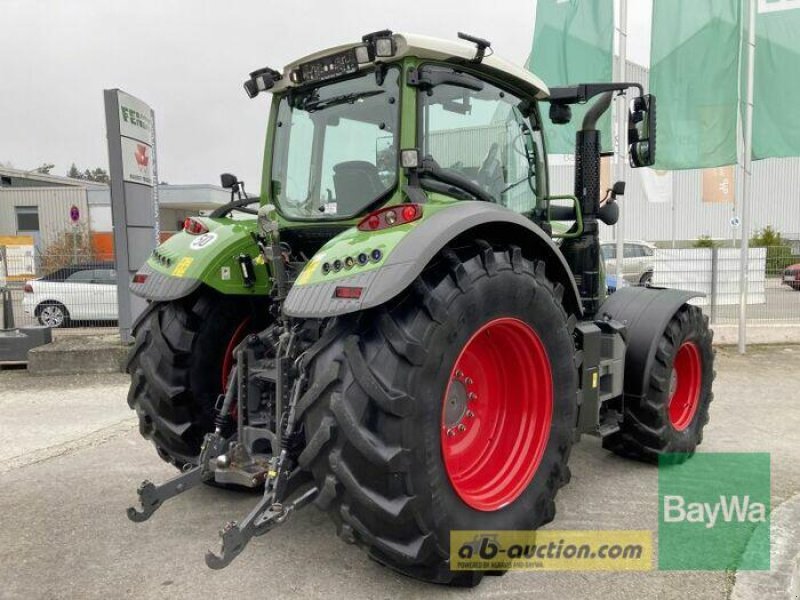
(47, 180)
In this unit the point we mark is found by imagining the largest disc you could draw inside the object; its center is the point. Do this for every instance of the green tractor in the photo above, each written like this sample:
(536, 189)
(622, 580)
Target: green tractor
(412, 332)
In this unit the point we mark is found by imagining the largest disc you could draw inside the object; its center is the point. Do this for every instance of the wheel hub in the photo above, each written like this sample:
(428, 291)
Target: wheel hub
(685, 386)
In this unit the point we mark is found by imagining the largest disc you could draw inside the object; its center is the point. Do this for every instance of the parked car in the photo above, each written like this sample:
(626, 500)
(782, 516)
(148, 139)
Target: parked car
(637, 262)
(791, 277)
(77, 293)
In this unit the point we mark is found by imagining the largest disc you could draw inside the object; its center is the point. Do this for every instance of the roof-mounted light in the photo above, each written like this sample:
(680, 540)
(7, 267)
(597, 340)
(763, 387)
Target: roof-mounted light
(380, 43)
(362, 55)
(261, 81)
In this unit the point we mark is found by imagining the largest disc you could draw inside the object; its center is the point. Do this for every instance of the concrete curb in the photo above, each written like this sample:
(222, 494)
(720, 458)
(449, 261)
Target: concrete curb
(783, 578)
(75, 355)
(728, 335)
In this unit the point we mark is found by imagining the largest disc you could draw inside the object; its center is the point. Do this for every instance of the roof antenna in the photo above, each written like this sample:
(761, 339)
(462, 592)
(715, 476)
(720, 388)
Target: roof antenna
(479, 42)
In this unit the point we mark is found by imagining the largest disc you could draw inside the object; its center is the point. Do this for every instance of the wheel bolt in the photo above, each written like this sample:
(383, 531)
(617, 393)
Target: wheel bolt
(462, 428)
(470, 414)
(468, 381)
(450, 433)
(459, 374)
(472, 396)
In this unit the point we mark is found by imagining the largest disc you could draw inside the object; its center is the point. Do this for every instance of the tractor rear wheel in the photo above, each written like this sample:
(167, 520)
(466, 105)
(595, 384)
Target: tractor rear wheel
(179, 365)
(451, 408)
(670, 418)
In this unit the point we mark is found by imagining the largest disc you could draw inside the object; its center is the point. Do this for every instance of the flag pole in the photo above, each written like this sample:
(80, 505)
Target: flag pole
(746, 188)
(622, 124)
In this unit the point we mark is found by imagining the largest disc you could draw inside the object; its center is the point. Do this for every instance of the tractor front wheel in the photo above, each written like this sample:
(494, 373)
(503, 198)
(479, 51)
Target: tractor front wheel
(451, 408)
(670, 417)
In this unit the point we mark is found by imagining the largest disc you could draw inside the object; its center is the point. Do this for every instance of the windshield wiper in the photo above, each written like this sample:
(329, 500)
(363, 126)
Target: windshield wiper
(312, 103)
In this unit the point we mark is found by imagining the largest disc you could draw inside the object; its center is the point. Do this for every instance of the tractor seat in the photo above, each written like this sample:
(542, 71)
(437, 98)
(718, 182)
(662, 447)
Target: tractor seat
(356, 183)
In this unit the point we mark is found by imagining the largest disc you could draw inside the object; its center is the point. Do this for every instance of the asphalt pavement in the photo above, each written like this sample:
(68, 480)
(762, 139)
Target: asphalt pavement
(71, 458)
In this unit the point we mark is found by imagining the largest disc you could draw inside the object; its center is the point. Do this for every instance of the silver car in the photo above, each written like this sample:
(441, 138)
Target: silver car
(637, 262)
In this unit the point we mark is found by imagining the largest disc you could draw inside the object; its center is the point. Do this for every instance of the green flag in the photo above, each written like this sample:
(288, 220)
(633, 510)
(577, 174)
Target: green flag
(695, 76)
(776, 127)
(573, 42)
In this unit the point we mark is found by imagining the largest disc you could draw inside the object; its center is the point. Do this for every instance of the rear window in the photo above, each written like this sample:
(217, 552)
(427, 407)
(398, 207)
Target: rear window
(81, 277)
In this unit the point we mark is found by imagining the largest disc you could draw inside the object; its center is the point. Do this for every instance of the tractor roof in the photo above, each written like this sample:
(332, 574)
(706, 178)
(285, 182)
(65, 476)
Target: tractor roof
(425, 47)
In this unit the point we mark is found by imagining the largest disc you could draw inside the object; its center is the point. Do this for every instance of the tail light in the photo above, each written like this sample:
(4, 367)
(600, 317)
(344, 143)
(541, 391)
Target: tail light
(140, 278)
(391, 216)
(348, 293)
(194, 227)
(28, 289)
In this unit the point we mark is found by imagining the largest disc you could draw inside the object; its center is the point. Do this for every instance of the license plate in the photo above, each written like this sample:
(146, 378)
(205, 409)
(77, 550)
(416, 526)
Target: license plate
(788, 278)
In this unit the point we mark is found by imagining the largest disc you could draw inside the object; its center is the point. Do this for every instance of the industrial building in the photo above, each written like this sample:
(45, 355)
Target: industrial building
(40, 207)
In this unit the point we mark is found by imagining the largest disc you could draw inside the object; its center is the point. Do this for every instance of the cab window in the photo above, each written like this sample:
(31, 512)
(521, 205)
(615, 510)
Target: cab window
(484, 135)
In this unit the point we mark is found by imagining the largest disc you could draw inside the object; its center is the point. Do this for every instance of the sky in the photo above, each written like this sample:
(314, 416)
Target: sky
(188, 59)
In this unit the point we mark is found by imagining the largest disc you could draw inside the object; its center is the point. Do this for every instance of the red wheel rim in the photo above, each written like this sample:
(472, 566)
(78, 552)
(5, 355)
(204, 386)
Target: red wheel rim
(227, 360)
(685, 383)
(496, 414)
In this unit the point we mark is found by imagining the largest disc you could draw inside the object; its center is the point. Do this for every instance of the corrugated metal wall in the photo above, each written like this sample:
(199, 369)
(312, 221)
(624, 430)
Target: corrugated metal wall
(53, 204)
(775, 200)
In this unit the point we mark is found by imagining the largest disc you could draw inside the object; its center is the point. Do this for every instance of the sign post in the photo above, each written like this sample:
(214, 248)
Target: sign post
(130, 129)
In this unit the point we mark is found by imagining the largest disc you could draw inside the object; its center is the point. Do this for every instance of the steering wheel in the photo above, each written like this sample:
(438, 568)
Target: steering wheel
(490, 175)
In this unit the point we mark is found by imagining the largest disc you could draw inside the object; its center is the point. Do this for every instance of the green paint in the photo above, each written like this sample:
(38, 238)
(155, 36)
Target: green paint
(218, 258)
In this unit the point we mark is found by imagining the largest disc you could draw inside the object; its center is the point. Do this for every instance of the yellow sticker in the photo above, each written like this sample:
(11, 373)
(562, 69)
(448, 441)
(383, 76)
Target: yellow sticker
(182, 266)
(308, 272)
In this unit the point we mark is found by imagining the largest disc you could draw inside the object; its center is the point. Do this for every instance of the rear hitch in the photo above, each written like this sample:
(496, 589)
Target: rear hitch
(152, 496)
(266, 515)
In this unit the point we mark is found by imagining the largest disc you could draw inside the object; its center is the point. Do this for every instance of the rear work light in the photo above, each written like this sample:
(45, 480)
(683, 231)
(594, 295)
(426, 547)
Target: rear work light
(194, 227)
(390, 216)
(28, 289)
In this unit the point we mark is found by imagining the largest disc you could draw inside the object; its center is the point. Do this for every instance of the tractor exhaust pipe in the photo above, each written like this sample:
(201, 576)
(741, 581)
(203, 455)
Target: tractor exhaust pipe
(583, 253)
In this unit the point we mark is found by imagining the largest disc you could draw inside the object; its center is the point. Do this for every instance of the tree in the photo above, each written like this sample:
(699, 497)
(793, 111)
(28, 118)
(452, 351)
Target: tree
(779, 252)
(98, 174)
(74, 172)
(44, 169)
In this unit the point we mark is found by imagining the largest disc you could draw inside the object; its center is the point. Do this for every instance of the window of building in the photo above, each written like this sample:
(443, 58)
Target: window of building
(27, 218)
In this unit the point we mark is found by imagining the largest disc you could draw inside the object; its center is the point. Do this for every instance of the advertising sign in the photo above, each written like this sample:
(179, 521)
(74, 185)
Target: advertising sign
(135, 118)
(137, 163)
(130, 129)
(719, 185)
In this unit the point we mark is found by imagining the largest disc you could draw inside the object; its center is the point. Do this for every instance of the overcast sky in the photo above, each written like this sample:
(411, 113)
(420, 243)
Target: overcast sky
(188, 58)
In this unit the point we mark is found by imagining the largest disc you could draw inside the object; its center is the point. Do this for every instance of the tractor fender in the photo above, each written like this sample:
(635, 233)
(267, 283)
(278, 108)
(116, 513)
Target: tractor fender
(645, 312)
(463, 220)
(184, 262)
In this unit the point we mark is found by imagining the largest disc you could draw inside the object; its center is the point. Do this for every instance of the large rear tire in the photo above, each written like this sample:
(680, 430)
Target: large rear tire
(670, 418)
(179, 364)
(451, 408)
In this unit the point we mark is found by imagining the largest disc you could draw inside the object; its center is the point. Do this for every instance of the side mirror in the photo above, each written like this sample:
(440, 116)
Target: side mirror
(642, 131)
(228, 181)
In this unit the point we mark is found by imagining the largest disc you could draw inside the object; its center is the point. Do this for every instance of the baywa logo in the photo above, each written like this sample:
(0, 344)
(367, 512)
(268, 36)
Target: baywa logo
(728, 508)
(714, 512)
